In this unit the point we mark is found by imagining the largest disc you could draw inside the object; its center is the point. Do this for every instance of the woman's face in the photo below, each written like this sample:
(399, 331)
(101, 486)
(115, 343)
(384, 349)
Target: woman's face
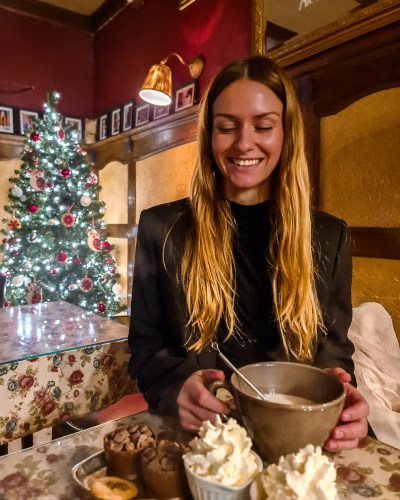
(247, 139)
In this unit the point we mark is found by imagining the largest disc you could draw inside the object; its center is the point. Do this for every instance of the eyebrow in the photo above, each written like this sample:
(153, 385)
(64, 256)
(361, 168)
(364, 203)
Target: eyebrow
(262, 115)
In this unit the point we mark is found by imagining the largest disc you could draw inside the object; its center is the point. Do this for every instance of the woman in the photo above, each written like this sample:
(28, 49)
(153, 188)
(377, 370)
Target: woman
(243, 261)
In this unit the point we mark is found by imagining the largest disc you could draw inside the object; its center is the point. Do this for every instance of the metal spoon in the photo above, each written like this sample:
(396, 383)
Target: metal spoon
(215, 346)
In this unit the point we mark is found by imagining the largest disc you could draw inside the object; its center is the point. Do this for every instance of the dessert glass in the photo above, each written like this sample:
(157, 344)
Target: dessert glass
(203, 489)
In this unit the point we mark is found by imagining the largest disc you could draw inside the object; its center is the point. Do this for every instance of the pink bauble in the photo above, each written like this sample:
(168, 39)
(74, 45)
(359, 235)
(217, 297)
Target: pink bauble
(61, 257)
(53, 271)
(31, 209)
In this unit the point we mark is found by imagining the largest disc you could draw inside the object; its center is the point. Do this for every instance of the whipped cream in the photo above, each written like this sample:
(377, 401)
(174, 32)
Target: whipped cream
(307, 475)
(222, 453)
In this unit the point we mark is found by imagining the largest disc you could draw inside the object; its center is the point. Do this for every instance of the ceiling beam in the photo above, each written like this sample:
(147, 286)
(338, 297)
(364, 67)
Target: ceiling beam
(40, 10)
(51, 13)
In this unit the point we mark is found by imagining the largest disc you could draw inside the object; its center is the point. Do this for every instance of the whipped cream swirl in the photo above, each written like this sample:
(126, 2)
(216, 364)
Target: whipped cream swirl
(221, 453)
(307, 475)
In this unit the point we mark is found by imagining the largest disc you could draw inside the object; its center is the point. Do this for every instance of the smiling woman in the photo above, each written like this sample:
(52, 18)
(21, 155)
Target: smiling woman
(244, 261)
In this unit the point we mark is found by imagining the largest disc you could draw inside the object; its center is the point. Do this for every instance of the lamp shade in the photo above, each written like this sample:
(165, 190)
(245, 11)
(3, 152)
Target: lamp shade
(157, 88)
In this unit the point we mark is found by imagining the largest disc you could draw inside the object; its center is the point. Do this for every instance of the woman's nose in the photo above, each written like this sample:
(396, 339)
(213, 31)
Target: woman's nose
(244, 139)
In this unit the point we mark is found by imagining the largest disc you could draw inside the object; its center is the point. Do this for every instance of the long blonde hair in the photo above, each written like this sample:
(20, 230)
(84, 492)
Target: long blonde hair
(207, 268)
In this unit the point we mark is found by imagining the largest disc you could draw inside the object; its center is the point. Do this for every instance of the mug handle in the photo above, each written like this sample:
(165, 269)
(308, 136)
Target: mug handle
(223, 384)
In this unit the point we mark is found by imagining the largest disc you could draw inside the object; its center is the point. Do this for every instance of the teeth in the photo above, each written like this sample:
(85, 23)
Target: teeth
(243, 163)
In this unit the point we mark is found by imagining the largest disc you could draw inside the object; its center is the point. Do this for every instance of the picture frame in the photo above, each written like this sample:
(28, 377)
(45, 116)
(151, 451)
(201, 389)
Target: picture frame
(115, 121)
(6, 119)
(25, 121)
(160, 111)
(102, 128)
(185, 95)
(142, 115)
(77, 123)
(127, 116)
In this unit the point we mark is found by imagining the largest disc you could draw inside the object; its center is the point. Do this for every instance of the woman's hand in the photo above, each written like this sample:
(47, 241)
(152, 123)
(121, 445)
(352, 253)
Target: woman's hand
(353, 420)
(196, 403)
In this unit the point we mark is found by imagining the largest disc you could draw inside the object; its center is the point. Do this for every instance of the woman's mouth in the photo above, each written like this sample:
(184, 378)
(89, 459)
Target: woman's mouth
(242, 162)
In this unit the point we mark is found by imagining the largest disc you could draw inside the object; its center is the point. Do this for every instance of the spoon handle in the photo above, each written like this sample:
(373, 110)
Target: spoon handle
(215, 346)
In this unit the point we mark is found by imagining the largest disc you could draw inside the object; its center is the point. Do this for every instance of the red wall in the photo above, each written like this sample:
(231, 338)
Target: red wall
(46, 55)
(125, 49)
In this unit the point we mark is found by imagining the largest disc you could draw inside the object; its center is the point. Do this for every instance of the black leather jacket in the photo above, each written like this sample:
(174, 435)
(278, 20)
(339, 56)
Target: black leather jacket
(160, 361)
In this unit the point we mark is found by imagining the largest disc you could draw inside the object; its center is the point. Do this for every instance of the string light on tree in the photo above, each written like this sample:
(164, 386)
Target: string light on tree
(48, 238)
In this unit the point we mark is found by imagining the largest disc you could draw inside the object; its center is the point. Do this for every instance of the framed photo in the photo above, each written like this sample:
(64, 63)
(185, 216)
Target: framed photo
(115, 121)
(25, 119)
(6, 120)
(102, 127)
(76, 123)
(127, 115)
(160, 111)
(186, 95)
(142, 115)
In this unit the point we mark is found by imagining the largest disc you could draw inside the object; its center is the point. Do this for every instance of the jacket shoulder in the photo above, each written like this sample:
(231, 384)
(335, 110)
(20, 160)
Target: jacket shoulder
(328, 226)
(166, 211)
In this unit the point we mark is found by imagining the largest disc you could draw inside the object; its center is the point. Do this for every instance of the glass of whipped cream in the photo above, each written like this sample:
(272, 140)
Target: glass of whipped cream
(220, 464)
(306, 475)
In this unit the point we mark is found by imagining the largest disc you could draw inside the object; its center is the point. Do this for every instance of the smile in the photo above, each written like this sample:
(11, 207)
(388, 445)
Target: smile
(245, 163)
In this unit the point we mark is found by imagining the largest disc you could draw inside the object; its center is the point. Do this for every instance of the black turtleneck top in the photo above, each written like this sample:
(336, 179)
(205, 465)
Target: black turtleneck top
(253, 304)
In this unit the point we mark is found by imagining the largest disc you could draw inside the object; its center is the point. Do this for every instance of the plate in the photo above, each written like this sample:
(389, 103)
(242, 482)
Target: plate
(90, 469)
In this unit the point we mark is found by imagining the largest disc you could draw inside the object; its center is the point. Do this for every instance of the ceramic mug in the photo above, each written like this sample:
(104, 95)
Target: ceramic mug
(278, 429)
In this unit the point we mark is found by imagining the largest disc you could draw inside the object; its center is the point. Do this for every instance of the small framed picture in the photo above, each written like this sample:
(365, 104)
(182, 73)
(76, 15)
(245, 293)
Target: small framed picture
(25, 119)
(127, 114)
(102, 127)
(6, 120)
(142, 114)
(115, 121)
(77, 123)
(186, 95)
(160, 111)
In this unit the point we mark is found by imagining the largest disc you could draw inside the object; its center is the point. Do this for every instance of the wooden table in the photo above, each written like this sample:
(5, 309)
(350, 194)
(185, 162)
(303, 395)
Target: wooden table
(44, 472)
(58, 362)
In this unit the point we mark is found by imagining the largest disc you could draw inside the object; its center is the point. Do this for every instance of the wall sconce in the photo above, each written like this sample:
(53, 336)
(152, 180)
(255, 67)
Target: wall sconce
(157, 88)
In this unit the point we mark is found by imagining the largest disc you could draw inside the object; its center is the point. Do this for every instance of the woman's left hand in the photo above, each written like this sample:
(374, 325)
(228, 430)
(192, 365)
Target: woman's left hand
(353, 420)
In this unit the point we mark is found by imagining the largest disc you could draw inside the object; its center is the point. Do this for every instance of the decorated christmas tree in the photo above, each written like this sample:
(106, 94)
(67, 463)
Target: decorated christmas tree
(54, 245)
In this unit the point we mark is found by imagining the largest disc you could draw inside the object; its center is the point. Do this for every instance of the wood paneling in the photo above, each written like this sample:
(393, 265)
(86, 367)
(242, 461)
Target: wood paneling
(11, 146)
(377, 242)
(134, 145)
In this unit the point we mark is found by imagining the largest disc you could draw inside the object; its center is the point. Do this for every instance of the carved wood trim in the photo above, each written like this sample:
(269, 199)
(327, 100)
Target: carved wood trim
(11, 146)
(354, 25)
(383, 243)
(257, 28)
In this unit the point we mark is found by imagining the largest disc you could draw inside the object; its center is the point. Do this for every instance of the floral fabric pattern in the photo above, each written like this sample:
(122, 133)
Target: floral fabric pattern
(370, 471)
(45, 391)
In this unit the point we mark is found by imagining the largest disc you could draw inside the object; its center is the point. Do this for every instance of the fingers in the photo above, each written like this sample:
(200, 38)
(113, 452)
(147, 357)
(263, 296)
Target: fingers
(355, 406)
(346, 436)
(333, 445)
(339, 373)
(196, 403)
(210, 375)
(353, 430)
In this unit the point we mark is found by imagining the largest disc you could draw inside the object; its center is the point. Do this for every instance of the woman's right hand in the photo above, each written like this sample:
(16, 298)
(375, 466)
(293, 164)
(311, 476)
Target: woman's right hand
(196, 403)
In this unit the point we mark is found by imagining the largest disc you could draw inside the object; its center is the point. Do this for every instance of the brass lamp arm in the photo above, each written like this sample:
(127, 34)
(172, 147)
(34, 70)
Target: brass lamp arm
(174, 54)
(195, 66)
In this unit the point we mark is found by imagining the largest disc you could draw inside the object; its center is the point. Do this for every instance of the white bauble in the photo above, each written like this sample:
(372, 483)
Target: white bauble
(72, 286)
(27, 280)
(23, 198)
(50, 222)
(16, 191)
(27, 266)
(117, 289)
(17, 281)
(86, 201)
(102, 210)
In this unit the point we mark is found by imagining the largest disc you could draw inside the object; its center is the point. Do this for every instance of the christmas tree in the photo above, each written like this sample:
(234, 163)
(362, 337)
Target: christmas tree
(54, 245)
